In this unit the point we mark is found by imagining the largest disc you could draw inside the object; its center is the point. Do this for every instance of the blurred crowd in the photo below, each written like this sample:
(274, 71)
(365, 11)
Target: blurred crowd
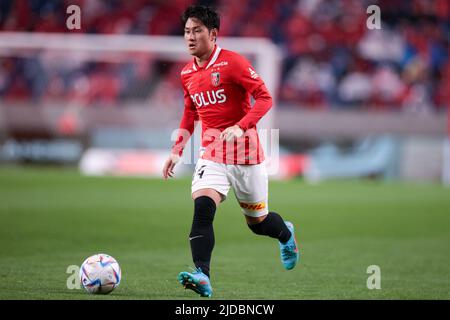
(331, 60)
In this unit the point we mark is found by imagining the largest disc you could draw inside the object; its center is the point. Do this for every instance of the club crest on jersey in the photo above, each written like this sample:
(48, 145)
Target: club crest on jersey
(215, 78)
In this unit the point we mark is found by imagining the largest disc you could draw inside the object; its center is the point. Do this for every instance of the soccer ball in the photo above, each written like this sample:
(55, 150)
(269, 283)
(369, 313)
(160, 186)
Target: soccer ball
(100, 273)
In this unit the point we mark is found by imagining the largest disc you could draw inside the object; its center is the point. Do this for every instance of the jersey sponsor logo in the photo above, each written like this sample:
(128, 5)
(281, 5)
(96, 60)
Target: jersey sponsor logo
(203, 99)
(186, 71)
(253, 74)
(220, 64)
(253, 206)
(215, 78)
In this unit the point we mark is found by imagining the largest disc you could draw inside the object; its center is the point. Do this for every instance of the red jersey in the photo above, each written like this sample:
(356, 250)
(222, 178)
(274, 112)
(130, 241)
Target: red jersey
(218, 94)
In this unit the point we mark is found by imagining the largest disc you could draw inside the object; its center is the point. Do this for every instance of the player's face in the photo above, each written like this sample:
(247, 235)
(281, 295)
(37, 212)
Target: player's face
(198, 38)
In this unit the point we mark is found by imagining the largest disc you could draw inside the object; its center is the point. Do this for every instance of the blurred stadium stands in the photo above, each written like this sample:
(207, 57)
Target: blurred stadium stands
(330, 62)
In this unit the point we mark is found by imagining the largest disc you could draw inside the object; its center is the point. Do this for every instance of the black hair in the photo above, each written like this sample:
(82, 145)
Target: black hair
(206, 15)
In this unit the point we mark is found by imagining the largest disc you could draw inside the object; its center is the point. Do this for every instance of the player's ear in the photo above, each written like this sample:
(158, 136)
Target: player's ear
(213, 34)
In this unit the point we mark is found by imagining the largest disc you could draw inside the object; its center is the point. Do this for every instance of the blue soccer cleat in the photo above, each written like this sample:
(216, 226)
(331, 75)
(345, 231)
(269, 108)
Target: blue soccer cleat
(196, 281)
(289, 250)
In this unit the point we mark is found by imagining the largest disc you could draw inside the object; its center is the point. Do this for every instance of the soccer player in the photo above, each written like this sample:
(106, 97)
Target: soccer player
(217, 86)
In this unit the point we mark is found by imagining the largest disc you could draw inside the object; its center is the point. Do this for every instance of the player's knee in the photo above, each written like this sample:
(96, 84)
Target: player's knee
(256, 223)
(255, 220)
(205, 209)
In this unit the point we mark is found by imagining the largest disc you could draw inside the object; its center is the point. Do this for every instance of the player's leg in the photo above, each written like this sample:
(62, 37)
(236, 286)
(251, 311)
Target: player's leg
(250, 184)
(271, 225)
(209, 187)
(201, 237)
(274, 226)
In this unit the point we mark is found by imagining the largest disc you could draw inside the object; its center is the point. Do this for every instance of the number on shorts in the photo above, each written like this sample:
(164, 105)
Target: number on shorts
(201, 171)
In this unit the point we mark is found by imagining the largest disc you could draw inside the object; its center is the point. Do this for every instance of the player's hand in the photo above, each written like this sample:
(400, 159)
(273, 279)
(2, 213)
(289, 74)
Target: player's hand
(169, 165)
(231, 133)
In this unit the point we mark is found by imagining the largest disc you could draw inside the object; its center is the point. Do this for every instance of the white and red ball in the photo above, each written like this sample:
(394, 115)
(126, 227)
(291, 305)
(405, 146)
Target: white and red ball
(100, 274)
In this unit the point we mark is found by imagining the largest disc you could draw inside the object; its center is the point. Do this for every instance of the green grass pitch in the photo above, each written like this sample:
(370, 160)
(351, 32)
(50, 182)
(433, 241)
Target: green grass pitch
(50, 219)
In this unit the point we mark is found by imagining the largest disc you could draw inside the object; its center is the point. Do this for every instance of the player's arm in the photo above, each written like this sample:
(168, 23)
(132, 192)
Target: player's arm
(187, 126)
(250, 81)
(253, 83)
